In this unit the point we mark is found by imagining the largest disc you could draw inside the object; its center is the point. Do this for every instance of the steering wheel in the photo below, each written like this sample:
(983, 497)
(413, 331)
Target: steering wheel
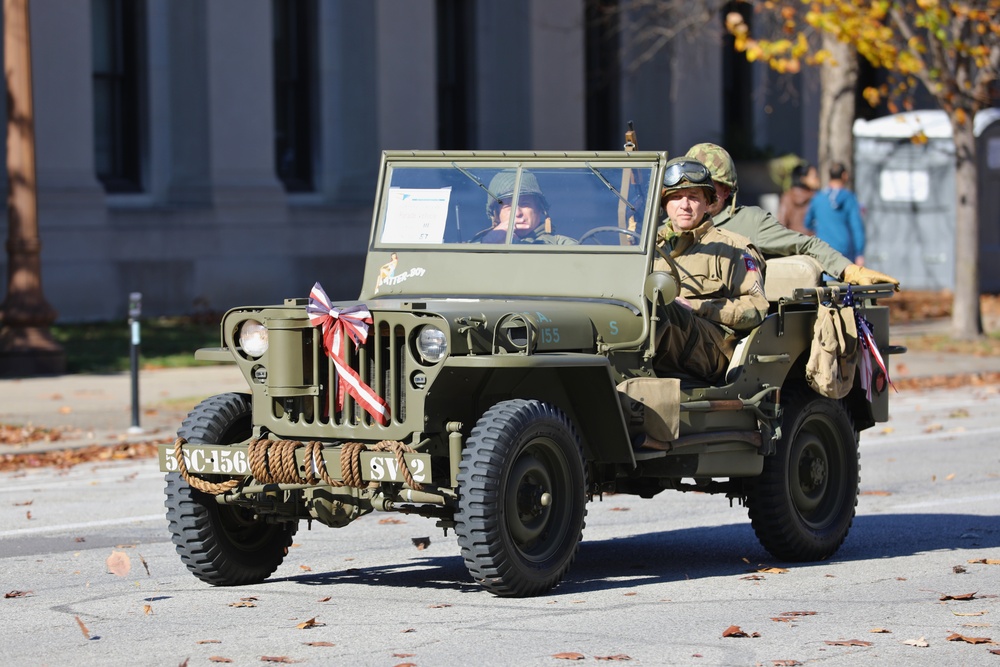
(636, 239)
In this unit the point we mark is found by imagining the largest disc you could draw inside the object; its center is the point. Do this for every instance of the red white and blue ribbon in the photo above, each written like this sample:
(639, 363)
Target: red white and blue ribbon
(869, 350)
(335, 323)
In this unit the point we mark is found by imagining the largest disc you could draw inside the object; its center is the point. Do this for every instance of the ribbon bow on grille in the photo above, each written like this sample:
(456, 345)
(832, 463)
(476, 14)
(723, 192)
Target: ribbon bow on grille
(334, 323)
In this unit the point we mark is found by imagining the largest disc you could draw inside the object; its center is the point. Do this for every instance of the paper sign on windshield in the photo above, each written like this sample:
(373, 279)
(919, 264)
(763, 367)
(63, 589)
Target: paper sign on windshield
(416, 215)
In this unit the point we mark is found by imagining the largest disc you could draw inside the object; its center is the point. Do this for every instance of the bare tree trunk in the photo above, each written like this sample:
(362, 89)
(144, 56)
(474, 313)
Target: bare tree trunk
(966, 321)
(836, 109)
(26, 345)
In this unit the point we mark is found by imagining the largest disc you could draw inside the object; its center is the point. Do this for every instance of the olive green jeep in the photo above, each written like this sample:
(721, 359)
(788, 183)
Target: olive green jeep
(496, 385)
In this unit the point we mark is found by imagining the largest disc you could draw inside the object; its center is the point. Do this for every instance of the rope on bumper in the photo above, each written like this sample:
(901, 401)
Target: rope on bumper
(273, 462)
(202, 485)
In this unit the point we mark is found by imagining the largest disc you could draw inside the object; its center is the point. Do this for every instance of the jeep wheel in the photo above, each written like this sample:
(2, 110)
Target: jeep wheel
(803, 503)
(221, 544)
(522, 498)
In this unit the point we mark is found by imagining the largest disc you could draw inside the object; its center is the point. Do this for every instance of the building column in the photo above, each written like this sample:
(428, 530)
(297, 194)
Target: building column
(241, 104)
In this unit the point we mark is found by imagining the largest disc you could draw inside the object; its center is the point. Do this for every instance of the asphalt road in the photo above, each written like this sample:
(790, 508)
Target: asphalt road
(659, 581)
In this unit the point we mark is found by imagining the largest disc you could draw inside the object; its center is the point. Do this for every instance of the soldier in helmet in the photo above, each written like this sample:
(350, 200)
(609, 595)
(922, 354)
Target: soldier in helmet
(721, 290)
(531, 217)
(765, 232)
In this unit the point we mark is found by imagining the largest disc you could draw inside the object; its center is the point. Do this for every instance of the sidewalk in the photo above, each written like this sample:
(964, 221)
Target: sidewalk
(97, 409)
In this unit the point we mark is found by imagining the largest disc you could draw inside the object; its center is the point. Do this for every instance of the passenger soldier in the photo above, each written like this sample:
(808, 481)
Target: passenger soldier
(721, 291)
(765, 232)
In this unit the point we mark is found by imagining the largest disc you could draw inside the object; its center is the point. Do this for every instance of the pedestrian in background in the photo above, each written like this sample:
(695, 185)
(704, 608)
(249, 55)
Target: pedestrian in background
(795, 200)
(835, 216)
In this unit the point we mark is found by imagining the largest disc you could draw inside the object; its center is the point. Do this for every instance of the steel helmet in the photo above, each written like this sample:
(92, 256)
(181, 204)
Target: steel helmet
(718, 161)
(502, 187)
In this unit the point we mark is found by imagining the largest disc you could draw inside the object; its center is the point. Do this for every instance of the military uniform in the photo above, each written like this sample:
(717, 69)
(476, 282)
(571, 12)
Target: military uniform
(722, 282)
(775, 240)
(536, 235)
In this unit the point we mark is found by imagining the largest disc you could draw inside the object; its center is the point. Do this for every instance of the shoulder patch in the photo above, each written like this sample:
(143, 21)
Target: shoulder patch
(750, 263)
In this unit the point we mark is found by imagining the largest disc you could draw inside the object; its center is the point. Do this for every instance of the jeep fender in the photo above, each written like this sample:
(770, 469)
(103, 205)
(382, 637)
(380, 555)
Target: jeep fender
(581, 385)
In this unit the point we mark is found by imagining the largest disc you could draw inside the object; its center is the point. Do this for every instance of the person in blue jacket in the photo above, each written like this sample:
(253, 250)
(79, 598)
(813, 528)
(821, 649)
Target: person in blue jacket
(835, 216)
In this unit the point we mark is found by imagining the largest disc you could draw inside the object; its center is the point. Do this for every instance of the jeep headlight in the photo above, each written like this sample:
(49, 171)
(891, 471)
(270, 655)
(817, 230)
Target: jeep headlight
(432, 344)
(253, 338)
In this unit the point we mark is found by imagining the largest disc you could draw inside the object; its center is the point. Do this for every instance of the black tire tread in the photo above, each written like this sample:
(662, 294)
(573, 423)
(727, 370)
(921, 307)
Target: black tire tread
(775, 521)
(488, 558)
(194, 517)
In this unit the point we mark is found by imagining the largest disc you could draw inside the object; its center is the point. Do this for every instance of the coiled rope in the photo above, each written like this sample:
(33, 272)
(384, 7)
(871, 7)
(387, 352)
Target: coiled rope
(273, 462)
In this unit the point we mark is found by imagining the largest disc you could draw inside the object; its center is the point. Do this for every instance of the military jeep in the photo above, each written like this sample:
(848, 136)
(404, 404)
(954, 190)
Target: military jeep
(498, 387)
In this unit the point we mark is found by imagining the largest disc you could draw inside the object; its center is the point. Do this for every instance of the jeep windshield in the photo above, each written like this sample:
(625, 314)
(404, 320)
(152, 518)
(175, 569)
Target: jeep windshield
(471, 224)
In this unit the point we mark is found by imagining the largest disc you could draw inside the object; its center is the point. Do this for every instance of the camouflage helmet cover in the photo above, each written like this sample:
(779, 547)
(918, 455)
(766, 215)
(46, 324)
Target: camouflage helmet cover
(686, 183)
(502, 187)
(718, 161)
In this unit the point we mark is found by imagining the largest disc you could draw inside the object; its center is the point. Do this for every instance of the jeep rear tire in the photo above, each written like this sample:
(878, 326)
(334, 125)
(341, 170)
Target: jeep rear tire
(522, 498)
(803, 503)
(222, 545)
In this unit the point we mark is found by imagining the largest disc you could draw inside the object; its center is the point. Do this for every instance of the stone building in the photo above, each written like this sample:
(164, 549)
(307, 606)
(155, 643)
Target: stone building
(216, 153)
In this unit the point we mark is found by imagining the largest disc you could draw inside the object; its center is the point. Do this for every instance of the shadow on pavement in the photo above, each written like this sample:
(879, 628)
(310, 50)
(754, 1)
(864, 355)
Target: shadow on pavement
(691, 553)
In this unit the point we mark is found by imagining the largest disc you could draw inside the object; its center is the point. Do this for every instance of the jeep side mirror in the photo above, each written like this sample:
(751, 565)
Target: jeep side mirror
(660, 288)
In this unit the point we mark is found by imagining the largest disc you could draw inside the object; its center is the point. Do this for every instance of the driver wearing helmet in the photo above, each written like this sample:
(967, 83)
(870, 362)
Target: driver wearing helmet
(771, 237)
(530, 218)
(721, 291)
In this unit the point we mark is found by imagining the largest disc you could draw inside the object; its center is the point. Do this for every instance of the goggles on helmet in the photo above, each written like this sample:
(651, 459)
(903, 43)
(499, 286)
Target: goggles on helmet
(687, 170)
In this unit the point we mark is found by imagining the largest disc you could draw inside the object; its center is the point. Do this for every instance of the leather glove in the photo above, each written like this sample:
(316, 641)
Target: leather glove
(859, 275)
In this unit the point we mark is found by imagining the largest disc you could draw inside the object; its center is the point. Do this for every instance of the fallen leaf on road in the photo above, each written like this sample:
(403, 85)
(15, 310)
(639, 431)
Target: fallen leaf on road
(969, 613)
(65, 410)
(876, 493)
(118, 563)
(785, 663)
(438, 606)
(616, 657)
(305, 568)
(83, 628)
(568, 656)
(390, 520)
(147, 609)
(24, 504)
(17, 594)
(326, 599)
(919, 643)
(620, 509)
(403, 655)
(276, 658)
(955, 637)
(958, 569)
(311, 623)
(243, 603)
(736, 631)
(218, 658)
(985, 561)
(209, 641)
(145, 565)
(964, 596)
(319, 643)
(773, 570)
(847, 642)
(877, 631)
(421, 543)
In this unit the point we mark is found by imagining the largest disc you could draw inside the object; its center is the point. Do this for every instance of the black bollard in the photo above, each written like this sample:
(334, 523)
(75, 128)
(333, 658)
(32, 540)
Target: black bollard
(134, 311)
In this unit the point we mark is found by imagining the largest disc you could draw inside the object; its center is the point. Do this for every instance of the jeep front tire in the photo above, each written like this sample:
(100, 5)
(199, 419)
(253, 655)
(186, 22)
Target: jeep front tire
(522, 498)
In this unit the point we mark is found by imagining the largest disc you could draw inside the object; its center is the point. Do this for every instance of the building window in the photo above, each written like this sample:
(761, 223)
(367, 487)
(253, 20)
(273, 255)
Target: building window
(456, 57)
(603, 89)
(295, 60)
(118, 60)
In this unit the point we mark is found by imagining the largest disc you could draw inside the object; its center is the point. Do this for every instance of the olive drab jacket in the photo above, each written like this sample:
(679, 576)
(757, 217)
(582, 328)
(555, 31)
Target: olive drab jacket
(719, 276)
(775, 240)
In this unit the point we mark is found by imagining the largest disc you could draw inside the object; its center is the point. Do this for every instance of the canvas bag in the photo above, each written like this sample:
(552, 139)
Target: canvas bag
(833, 356)
(654, 403)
